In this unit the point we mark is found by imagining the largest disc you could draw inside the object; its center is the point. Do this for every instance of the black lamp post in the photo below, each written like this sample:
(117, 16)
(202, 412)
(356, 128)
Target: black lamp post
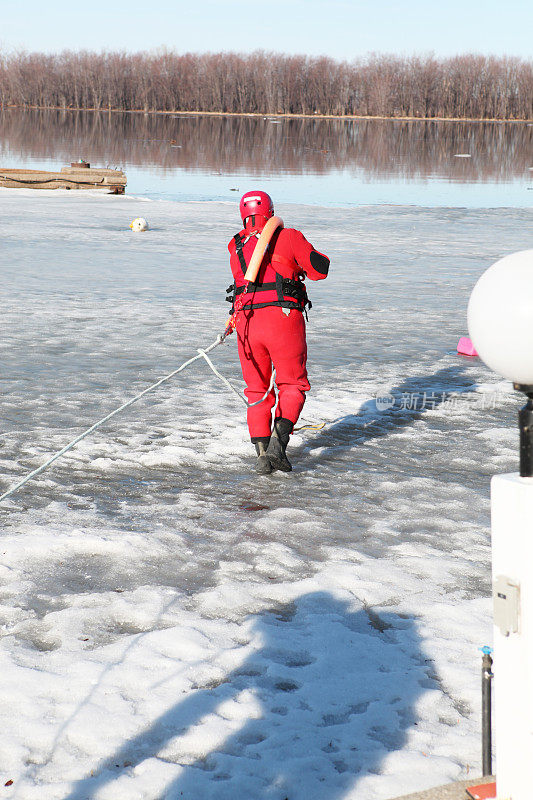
(525, 421)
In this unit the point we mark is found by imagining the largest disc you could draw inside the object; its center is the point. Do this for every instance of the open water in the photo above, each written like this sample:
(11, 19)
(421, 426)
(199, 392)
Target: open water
(322, 162)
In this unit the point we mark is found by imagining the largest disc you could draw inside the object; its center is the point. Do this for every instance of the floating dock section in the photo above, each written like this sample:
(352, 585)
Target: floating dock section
(77, 176)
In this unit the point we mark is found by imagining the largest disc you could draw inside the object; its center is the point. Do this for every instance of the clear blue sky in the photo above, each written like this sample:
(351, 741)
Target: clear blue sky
(342, 29)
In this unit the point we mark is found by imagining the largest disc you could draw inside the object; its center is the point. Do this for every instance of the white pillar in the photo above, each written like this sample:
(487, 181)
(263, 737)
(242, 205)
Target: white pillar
(512, 572)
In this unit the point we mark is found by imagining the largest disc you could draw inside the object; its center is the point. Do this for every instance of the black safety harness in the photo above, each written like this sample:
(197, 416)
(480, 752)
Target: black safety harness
(291, 293)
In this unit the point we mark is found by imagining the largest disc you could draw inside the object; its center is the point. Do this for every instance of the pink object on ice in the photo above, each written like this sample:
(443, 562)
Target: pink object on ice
(465, 347)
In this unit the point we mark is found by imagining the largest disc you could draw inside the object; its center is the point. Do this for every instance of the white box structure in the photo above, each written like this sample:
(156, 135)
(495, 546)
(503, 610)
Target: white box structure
(512, 571)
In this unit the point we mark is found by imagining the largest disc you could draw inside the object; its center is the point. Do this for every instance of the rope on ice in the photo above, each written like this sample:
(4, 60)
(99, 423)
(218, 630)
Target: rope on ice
(201, 354)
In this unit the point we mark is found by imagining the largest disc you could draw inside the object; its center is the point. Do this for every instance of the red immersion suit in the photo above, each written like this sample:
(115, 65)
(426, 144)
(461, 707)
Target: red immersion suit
(271, 326)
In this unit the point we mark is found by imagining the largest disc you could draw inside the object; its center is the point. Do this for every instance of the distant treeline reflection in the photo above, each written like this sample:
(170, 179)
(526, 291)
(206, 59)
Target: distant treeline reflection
(258, 146)
(466, 86)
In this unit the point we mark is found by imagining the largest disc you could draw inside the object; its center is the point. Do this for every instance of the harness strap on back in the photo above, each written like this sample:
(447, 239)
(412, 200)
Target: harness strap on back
(255, 287)
(290, 293)
(279, 287)
(238, 247)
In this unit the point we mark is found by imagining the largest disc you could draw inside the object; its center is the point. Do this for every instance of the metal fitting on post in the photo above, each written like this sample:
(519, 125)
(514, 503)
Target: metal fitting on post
(486, 710)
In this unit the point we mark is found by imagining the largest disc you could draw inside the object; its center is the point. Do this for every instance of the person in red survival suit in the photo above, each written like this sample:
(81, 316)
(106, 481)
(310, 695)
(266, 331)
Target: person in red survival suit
(271, 327)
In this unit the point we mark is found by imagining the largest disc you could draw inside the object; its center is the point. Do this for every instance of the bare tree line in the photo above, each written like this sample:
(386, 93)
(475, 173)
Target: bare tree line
(465, 86)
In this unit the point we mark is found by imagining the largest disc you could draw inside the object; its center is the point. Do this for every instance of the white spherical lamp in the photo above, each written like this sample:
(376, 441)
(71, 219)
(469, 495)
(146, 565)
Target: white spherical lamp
(500, 322)
(500, 317)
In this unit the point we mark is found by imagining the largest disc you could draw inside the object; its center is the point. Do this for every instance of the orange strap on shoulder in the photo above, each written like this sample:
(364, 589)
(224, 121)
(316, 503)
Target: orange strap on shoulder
(267, 233)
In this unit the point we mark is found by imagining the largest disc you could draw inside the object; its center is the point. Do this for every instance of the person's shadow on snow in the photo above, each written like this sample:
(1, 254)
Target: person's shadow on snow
(378, 417)
(334, 692)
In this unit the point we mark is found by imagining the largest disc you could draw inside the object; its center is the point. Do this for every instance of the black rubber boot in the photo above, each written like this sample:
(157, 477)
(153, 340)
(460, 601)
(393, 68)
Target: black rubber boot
(262, 464)
(278, 444)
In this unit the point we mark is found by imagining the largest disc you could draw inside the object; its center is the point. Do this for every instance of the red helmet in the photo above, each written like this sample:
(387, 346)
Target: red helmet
(253, 205)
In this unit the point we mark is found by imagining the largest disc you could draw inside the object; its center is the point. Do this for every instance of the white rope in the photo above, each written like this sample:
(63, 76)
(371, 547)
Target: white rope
(233, 389)
(201, 354)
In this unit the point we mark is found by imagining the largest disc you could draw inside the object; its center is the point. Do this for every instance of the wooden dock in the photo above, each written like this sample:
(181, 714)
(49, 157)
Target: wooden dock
(77, 176)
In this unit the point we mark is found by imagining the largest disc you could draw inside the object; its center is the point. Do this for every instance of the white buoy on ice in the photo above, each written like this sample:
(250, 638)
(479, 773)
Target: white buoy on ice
(139, 224)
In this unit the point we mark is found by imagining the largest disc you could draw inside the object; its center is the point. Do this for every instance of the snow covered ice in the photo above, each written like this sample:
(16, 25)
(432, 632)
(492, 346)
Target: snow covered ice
(176, 626)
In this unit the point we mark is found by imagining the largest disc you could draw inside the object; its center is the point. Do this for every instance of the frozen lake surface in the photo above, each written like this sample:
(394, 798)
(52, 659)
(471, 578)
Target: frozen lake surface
(174, 625)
